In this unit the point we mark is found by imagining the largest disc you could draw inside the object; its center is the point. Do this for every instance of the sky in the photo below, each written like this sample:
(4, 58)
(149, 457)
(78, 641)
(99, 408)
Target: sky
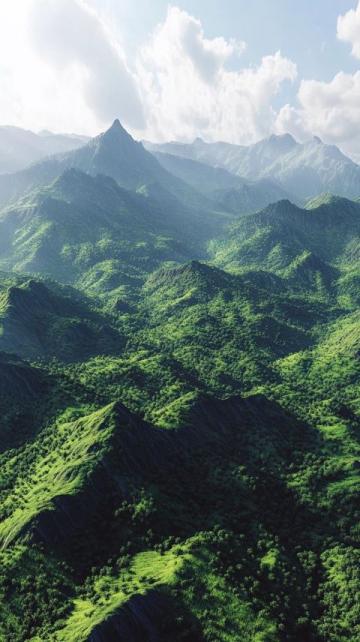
(228, 70)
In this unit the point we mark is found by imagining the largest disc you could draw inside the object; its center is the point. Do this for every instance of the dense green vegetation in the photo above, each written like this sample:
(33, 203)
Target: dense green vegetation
(180, 412)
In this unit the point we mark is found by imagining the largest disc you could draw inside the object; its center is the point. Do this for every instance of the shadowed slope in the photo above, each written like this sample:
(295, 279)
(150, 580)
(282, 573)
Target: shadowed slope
(36, 322)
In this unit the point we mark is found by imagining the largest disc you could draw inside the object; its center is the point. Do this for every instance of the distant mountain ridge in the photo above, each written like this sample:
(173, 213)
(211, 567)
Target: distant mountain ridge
(222, 176)
(114, 153)
(303, 169)
(227, 190)
(291, 169)
(21, 147)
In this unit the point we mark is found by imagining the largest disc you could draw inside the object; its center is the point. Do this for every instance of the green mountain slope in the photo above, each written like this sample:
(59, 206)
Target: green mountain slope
(225, 328)
(279, 234)
(82, 225)
(179, 403)
(25, 393)
(134, 528)
(61, 496)
(36, 322)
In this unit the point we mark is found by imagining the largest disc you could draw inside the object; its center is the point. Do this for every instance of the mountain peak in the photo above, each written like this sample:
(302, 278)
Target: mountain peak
(287, 137)
(116, 129)
(280, 208)
(283, 142)
(116, 125)
(71, 177)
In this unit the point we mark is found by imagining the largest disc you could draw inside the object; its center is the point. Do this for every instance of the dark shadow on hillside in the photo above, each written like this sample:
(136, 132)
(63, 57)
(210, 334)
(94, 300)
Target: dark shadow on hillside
(148, 617)
(196, 476)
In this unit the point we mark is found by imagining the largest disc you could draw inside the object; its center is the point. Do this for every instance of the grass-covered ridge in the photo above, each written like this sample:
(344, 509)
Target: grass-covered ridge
(76, 449)
(148, 571)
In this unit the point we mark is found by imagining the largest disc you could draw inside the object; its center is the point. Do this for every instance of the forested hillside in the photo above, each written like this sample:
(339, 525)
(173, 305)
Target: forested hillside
(179, 396)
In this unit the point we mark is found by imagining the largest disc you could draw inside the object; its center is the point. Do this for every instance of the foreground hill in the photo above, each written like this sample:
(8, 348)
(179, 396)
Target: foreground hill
(215, 524)
(304, 169)
(111, 474)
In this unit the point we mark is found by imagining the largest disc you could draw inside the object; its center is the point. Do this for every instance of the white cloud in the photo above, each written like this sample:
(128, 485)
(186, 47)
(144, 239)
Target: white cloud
(62, 69)
(329, 110)
(182, 35)
(348, 29)
(290, 120)
(69, 35)
(188, 89)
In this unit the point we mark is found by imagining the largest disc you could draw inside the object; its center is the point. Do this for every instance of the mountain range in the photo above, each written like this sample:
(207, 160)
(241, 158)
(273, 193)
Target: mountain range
(20, 147)
(179, 393)
(303, 170)
(114, 153)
